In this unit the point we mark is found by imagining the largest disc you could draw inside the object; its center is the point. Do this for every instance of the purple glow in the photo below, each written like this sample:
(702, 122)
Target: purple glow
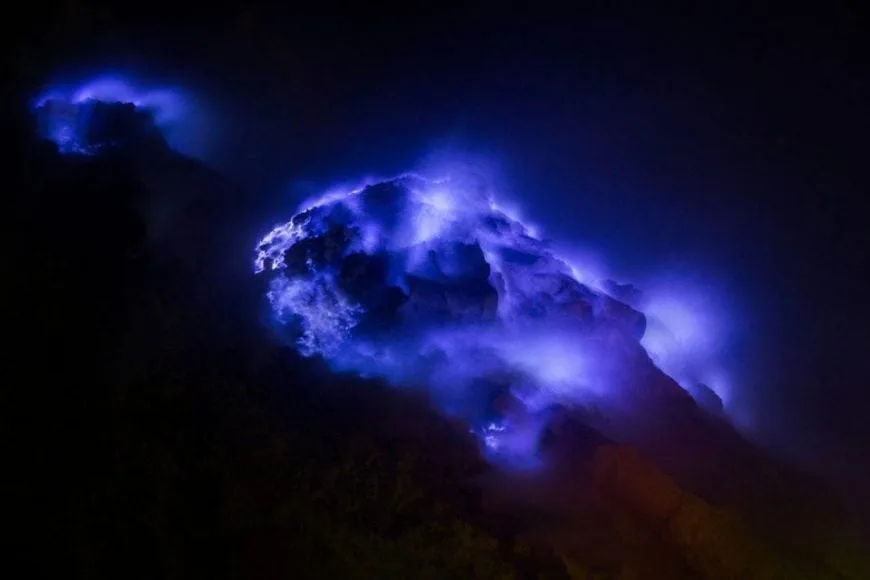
(430, 283)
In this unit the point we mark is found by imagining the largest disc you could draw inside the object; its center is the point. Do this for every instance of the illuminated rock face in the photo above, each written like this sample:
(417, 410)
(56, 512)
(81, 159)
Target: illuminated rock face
(429, 283)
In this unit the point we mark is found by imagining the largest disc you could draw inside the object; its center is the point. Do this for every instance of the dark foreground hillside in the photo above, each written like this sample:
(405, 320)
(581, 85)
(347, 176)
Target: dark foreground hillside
(156, 430)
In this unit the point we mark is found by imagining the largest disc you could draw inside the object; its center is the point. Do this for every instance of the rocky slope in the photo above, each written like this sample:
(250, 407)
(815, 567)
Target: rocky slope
(415, 280)
(181, 438)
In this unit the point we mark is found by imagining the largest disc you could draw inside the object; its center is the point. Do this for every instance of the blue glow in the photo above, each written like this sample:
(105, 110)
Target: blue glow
(65, 112)
(325, 316)
(684, 337)
(432, 283)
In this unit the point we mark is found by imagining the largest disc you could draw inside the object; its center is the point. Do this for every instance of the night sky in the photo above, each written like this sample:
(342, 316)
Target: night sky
(726, 145)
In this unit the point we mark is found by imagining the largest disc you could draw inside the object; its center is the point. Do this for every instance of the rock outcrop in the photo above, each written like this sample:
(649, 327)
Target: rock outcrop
(451, 260)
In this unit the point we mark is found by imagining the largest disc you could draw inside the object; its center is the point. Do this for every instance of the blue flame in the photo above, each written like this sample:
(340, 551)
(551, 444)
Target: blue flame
(432, 283)
(65, 111)
(325, 315)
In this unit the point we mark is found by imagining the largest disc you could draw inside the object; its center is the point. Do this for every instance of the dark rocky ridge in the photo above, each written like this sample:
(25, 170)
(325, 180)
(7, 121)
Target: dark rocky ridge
(157, 425)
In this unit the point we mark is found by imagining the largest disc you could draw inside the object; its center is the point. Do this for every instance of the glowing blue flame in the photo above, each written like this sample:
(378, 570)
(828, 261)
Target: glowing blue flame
(431, 283)
(66, 111)
(326, 316)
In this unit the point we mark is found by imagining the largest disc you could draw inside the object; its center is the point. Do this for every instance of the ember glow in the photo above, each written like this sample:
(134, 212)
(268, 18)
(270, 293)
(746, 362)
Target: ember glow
(432, 284)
